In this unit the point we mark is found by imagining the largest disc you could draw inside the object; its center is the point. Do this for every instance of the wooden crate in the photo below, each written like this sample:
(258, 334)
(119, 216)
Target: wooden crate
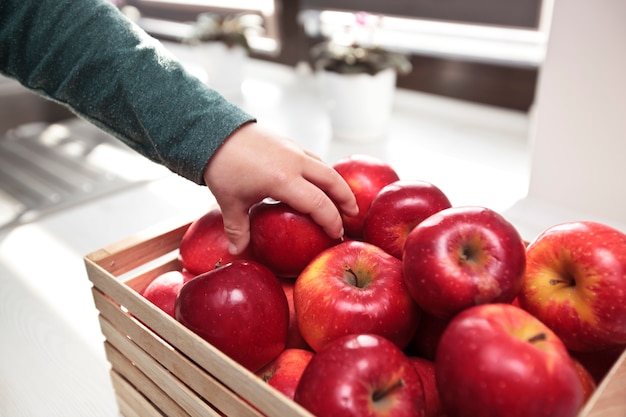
(159, 368)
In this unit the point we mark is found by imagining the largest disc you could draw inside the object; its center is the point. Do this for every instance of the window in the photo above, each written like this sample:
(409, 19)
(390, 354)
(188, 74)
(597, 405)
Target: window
(488, 51)
(511, 13)
(494, 33)
(172, 19)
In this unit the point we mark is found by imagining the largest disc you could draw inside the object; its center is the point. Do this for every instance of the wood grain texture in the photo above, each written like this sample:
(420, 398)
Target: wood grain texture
(183, 397)
(178, 365)
(139, 384)
(131, 403)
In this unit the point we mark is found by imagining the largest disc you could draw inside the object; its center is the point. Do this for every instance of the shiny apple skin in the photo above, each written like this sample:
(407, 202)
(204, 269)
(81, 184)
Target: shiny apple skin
(284, 372)
(163, 290)
(204, 245)
(426, 370)
(496, 360)
(575, 282)
(343, 378)
(330, 302)
(586, 379)
(461, 257)
(366, 176)
(240, 308)
(283, 239)
(294, 337)
(397, 209)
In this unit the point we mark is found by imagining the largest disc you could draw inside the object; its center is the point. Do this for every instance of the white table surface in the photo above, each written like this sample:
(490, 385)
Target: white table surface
(52, 360)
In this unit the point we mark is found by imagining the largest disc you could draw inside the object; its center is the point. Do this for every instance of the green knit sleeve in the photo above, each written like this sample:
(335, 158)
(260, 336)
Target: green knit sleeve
(86, 55)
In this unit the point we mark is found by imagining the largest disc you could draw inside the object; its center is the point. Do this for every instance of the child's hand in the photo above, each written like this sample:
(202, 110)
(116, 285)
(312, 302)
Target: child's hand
(254, 163)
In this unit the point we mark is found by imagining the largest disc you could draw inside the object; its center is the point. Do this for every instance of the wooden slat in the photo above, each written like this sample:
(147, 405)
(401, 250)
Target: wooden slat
(247, 385)
(138, 250)
(609, 400)
(511, 13)
(141, 383)
(131, 402)
(168, 263)
(174, 388)
(126, 409)
(188, 372)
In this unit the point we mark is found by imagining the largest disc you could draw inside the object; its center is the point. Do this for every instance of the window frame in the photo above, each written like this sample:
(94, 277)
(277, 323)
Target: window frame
(509, 13)
(172, 20)
(492, 83)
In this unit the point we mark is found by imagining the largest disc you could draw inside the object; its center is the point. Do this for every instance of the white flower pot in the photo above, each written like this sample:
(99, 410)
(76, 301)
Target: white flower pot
(359, 105)
(224, 66)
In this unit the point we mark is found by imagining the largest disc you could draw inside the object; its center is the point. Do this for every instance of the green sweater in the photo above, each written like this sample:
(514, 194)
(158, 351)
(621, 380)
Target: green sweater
(86, 55)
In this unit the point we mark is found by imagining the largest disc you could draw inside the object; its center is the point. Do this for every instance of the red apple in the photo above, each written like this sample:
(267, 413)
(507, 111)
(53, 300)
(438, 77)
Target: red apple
(354, 287)
(294, 337)
(240, 308)
(426, 370)
(586, 379)
(205, 244)
(361, 376)
(497, 360)
(366, 176)
(284, 372)
(575, 283)
(284, 239)
(163, 290)
(463, 256)
(397, 209)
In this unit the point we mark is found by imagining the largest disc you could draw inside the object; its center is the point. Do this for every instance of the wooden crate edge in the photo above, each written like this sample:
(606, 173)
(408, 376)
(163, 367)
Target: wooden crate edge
(187, 371)
(130, 402)
(141, 384)
(213, 361)
(139, 248)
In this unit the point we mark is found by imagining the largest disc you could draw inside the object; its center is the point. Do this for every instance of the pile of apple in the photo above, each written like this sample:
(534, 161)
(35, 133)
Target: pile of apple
(424, 309)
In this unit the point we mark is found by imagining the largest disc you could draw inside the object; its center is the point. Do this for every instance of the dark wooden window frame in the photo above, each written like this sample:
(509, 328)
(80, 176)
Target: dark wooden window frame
(509, 13)
(490, 83)
(187, 13)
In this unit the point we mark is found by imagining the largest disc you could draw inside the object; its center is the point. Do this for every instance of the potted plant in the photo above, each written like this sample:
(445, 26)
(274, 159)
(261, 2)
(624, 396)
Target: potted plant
(358, 78)
(221, 45)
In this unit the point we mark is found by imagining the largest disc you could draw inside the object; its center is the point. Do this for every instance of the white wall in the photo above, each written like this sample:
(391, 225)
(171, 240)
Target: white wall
(578, 139)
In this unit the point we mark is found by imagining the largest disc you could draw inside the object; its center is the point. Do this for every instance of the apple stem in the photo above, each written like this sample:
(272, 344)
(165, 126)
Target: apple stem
(560, 281)
(351, 272)
(538, 338)
(468, 252)
(379, 395)
(566, 278)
